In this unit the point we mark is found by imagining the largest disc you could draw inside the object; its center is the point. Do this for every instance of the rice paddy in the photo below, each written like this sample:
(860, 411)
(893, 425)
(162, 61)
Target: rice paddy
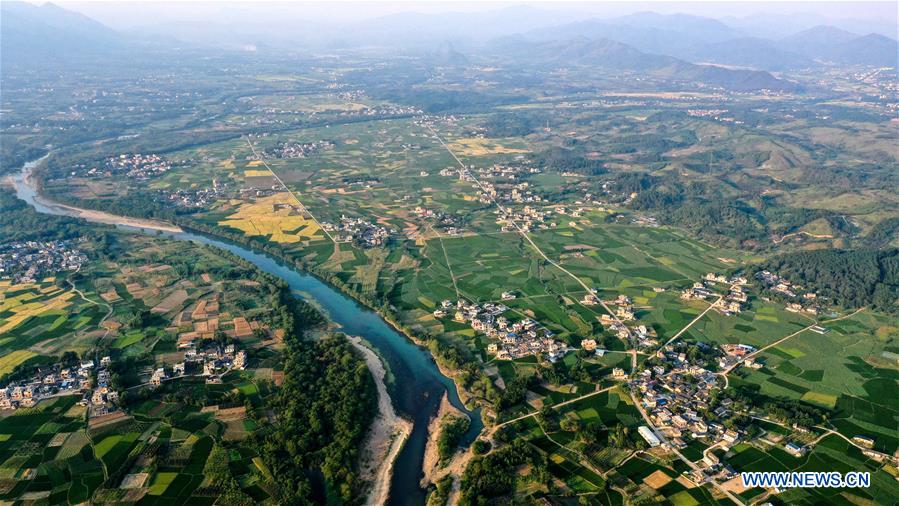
(277, 217)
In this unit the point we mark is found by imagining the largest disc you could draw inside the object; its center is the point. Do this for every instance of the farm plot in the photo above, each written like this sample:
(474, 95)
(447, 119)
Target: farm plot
(278, 217)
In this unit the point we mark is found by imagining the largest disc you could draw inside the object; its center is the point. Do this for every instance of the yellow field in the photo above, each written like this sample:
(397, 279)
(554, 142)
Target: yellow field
(256, 163)
(9, 361)
(257, 172)
(23, 306)
(476, 146)
(275, 217)
(820, 398)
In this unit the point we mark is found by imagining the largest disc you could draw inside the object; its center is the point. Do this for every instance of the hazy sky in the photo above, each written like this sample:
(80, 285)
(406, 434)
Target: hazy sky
(130, 14)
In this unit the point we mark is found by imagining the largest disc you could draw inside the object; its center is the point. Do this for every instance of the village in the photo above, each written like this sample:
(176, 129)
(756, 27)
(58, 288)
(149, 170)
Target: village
(299, 150)
(64, 379)
(678, 391)
(517, 339)
(50, 381)
(199, 198)
(28, 261)
(211, 360)
(797, 299)
(136, 166)
(360, 232)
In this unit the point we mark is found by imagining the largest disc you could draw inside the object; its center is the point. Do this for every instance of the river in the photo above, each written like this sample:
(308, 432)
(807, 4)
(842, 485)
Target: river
(417, 385)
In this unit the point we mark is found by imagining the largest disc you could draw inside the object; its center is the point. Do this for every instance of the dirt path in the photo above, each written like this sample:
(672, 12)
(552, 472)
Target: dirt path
(386, 436)
(785, 338)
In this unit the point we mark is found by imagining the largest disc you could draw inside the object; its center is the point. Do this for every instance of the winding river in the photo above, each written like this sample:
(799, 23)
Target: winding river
(417, 385)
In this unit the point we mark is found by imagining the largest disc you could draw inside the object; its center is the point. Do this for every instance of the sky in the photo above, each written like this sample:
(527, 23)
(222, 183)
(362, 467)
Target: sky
(126, 14)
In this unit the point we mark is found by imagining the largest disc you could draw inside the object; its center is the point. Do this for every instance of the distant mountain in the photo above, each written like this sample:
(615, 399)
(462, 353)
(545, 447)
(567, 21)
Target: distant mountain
(670, 34)
(771, 25)
(613, 55)
(705, 28)
(49, 32)
(413, 29)
(750, 52)
(810, 42)
(871, 49)
(831, 44)
(692, 38)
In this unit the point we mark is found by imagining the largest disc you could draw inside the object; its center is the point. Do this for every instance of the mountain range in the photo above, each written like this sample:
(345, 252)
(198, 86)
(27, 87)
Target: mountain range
(673, 45)
(698, 39)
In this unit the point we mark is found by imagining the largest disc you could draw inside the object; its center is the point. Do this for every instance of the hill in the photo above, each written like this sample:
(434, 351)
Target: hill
(50, 33)
(615, 55)
(750, 52)
(830, 44)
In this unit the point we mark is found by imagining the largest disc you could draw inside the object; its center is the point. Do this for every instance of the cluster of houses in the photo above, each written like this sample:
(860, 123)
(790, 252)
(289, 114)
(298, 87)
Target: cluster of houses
(714, 114)
(213, 360)
(527, 218)
(194, 198)
(799, 300)
(732, 303)
(510, 172)
(450, 224)
(360, 232)
(516, 339)
(103, 399)
(639, 336)
(575, 212)
(675, 394)
(299, 150)
(729, 304)
(511, 194)
(137, 166)
(28, 261)
(736, 353)
(643, 220)
(55, 380)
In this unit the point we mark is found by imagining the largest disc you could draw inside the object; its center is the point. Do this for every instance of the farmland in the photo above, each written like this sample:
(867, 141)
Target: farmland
(140, 304)
(450, 246)
(585, 253)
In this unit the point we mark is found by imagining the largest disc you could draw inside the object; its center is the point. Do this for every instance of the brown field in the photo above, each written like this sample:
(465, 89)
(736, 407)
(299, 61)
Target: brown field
(110, 419)
(242, 327)
(657, 479)
(110, 296)
(172, 301)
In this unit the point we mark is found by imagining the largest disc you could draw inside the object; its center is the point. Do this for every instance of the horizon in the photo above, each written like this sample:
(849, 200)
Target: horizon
(125, 15)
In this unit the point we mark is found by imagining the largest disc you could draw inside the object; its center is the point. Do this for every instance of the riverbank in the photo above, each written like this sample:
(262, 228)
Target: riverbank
(419, 382)
(28, 185)
(431, 466)
(387, 435)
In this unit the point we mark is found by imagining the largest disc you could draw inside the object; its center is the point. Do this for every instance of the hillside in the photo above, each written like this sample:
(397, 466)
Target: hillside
(49, 32)
(614, 55)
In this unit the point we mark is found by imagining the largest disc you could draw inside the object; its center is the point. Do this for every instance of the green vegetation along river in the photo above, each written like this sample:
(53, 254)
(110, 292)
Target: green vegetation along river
(417, 385)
